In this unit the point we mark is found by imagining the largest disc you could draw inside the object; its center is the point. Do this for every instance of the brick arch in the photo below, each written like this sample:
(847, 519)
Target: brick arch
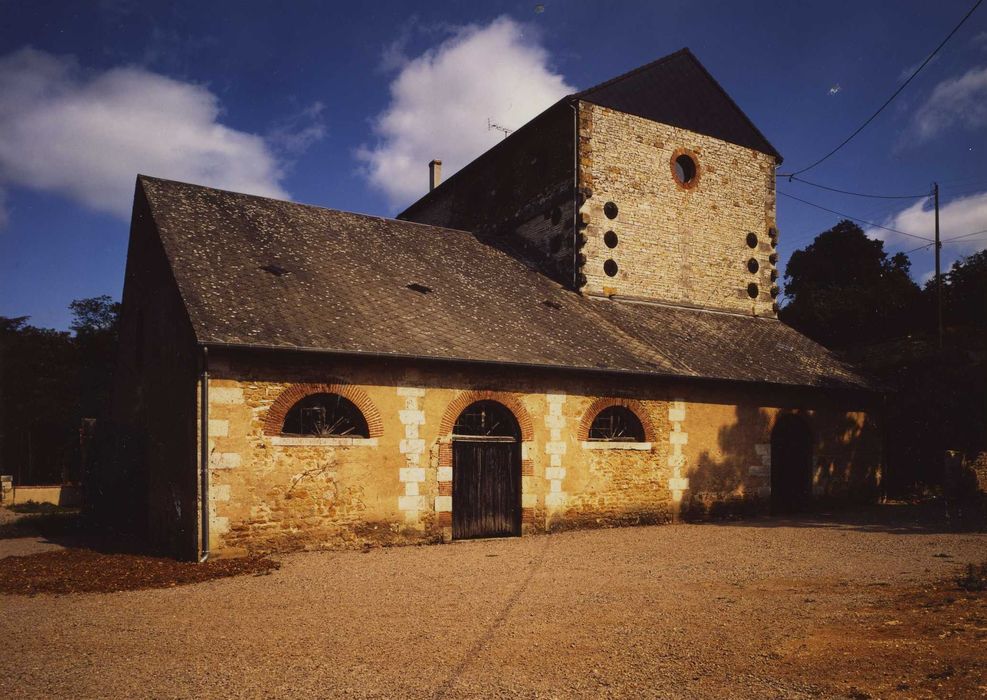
(274, 420)
(511, 401)
(635, 406)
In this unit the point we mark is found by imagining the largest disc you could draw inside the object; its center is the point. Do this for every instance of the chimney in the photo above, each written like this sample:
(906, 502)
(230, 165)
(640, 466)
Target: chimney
(434, 174)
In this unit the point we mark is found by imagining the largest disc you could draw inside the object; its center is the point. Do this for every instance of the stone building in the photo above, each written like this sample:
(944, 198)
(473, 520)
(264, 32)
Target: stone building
(576, 329)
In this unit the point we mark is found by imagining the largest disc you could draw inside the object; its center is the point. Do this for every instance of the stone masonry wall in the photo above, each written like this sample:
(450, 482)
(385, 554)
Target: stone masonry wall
(683, 245)
(269, 491)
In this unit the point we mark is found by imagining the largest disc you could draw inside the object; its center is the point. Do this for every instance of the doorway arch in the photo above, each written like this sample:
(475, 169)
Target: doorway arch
(791, 464)
(486, 474)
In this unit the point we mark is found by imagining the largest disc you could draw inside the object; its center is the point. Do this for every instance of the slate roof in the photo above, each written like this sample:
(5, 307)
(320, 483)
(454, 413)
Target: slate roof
(679, 91)
(339, 282)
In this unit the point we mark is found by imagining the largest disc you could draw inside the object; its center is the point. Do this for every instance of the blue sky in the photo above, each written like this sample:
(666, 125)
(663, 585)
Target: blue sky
(342, 105)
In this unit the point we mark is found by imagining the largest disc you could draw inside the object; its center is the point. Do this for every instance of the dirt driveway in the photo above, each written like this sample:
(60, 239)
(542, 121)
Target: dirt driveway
(841, 607)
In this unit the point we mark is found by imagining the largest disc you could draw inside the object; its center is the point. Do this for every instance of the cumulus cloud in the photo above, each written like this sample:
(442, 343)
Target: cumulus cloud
(86, 135)
(954, 102)
(957, 217)
(441, 101)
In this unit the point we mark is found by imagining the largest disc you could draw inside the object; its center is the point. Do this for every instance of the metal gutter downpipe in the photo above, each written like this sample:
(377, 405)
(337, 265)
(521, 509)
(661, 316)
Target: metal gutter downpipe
(575, 195)
(204, 456)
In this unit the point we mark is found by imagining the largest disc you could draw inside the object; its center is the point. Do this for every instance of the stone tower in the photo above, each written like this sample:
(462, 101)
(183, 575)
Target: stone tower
(653, 186)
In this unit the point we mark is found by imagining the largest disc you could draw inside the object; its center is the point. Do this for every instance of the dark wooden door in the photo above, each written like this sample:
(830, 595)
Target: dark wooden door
(791, 465)
(486, 488)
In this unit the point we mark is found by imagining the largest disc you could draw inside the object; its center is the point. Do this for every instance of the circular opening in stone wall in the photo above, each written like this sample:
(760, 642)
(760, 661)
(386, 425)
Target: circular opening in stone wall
(752, 290)
(685, 170)
(610, 239)
(752, 266)
(775, 291)
(752, 240)
(610, 267)
(610, 209)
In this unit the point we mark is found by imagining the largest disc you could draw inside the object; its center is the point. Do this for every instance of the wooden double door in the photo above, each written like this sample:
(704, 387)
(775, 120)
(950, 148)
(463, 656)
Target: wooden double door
(486, 487)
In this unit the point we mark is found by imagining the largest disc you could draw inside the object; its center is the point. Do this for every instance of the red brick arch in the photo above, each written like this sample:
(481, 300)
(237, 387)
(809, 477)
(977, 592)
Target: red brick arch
(274, 420)
(636, 407)
(511, 401)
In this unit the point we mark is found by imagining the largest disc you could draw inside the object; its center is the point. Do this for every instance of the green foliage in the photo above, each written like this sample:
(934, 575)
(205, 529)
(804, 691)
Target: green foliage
(844, 289)
(964, 291)
(50, 380)
(847, 293)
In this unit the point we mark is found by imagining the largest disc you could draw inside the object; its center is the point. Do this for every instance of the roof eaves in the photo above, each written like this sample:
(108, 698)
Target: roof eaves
(613, 371)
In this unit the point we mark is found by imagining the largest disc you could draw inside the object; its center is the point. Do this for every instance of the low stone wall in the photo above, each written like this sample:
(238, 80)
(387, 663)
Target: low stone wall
(57, 495)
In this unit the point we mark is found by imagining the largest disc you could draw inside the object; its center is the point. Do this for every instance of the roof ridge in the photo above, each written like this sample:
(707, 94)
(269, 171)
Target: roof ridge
(634, 71)
(141, 176)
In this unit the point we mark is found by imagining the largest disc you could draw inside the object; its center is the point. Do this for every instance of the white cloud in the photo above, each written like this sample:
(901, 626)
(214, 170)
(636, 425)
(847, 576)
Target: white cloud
(957, 217)
(441, 100)
(296, 133)
(86, 135)
(954, 102)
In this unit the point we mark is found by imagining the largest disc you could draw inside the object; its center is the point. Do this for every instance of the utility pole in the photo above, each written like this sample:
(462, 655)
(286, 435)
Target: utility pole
(935, 192)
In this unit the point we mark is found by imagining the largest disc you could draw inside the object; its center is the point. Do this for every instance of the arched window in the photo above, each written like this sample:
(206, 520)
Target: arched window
(617, 424)
(325, 415)
(486, 419)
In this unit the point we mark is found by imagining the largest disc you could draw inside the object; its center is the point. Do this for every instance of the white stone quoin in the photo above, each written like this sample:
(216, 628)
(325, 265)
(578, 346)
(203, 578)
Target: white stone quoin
(412, 475)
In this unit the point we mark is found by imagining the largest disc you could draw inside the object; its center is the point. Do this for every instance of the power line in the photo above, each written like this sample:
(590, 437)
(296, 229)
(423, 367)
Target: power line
(895, 94)
(945, 241)
(848, 216)
(859, 194)
(965, 235)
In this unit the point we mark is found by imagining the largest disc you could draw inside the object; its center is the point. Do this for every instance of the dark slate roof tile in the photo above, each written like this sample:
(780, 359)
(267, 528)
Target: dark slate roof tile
(345, 289)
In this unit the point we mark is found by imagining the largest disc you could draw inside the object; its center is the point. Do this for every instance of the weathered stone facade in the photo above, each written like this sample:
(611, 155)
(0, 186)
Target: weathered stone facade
(599, 196)
(702, 451)
(678, 244)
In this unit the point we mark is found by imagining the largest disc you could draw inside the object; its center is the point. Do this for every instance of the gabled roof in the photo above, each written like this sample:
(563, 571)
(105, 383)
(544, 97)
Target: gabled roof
(679, 91)
(265, 273)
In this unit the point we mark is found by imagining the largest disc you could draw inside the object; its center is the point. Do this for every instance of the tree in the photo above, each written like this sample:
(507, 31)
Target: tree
(843, 289)
(964, 291)
(49, 381)
(95, 324)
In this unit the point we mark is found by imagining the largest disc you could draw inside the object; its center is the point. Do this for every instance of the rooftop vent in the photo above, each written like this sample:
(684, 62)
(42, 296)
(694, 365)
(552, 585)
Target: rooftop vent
(420, 288)
(275, 270)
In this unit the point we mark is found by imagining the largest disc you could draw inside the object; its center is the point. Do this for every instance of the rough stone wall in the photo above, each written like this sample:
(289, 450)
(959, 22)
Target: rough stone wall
(275, 492)
(683, 245)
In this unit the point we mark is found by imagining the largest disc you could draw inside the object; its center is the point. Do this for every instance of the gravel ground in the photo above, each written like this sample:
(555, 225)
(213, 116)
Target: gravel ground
(711, 610)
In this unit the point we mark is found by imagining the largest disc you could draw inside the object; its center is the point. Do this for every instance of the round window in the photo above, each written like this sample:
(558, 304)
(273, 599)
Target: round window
(685, 170)
(610, 209)
(752, 240)
(610, 267)
(610, 239)
(752, 266)
(752, 290)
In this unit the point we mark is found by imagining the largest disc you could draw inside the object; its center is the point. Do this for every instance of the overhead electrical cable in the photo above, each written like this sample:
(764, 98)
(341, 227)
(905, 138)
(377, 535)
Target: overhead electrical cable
(860, 194)
(853, 218)
(893, 95)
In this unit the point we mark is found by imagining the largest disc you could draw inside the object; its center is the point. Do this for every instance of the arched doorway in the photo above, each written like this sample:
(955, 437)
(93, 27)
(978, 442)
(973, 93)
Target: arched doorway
(486, 472)
(791, 464)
